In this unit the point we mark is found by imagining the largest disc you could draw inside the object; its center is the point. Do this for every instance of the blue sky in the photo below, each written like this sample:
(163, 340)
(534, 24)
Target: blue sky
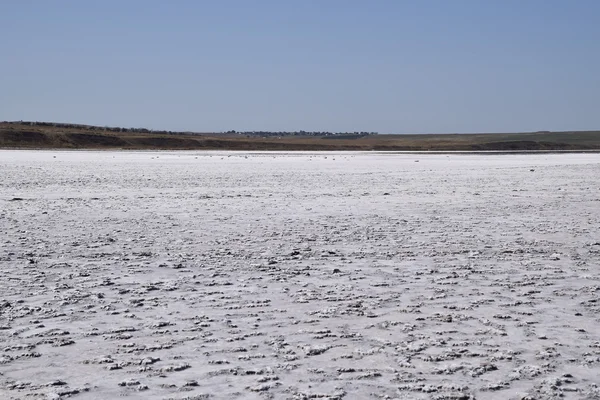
(419, 66)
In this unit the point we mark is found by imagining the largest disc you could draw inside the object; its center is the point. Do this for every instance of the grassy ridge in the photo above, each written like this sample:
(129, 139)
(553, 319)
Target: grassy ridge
(15, 135)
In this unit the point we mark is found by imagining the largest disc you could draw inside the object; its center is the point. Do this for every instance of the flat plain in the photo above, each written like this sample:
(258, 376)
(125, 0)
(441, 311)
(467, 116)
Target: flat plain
(348, 275)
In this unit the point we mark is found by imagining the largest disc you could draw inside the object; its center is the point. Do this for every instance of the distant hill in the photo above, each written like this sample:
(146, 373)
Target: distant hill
(46, 135)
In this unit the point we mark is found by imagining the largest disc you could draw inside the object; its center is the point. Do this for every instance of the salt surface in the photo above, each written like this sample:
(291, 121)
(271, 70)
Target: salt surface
(299, 275)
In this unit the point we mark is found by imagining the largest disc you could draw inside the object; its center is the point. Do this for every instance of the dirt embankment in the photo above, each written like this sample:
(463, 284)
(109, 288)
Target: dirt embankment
(26, 136)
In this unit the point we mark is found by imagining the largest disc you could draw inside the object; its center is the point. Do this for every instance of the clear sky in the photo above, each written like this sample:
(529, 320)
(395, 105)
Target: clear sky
(418, 66)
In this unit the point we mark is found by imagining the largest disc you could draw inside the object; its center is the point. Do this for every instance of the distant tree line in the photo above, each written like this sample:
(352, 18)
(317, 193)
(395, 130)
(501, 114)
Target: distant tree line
(299, 133)
(94, 128)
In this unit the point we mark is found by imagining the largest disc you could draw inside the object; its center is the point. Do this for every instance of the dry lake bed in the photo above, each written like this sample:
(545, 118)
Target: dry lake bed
(221, 275)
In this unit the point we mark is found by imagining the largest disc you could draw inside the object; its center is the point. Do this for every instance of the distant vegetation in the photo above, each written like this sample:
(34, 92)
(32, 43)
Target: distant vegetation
(75, 136)
(300, 133)
(93, 128)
